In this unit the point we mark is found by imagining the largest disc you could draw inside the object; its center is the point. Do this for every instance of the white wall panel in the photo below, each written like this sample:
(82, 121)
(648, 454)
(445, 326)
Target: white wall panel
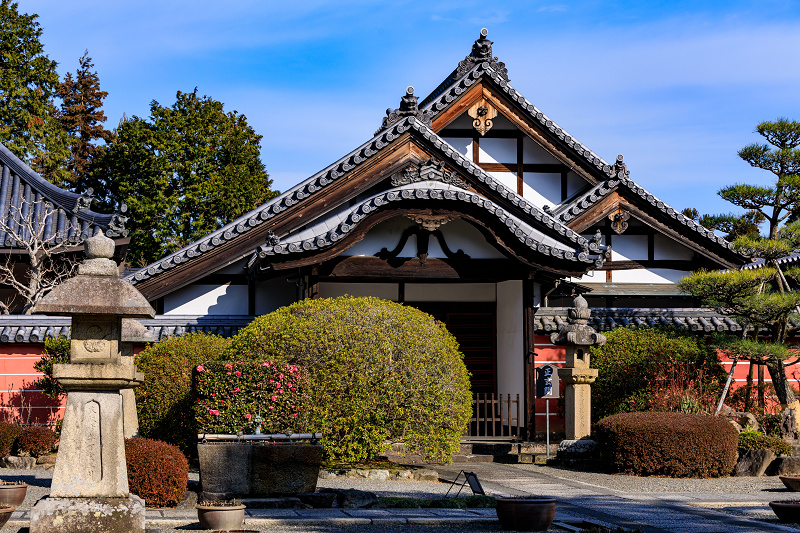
(509, 179)
(628, 247)
(653, 275)
(207, 300)
(462, 144)
(274, 293)
(497, 151)
(235, 268)
(450, 292)
(541, 188)
(666, 248)
(575, 184)
(387, 291)
(532, 152)
(510, 342)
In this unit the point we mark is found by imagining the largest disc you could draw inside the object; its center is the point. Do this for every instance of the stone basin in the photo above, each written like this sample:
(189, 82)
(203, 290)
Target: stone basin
(792, 482)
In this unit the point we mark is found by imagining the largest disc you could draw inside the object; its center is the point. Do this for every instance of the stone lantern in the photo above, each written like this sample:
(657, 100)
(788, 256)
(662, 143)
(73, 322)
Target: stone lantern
(89, 491)
(577, 337)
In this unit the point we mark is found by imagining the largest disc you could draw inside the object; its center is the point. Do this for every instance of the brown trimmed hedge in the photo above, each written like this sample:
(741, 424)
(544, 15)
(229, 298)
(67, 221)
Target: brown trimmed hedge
(9, 433)
(157, 471)
(667, 444)
(35, 441)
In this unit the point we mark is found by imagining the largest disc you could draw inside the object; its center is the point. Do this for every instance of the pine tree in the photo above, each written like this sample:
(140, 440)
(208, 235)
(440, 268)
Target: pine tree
(82, 118)
(28, 81)
(762, 298)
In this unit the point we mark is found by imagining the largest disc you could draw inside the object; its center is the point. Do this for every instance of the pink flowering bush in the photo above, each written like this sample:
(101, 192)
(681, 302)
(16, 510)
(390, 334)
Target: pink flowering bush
(232, 397)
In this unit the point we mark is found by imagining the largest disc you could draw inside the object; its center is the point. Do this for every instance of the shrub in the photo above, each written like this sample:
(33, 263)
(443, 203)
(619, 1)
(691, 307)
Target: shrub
(378, 370)
(9, 433)
(643, 369)
(164, 401)
(667, 444)
(750, 439)
(35, 441)
(157, 471)
(240, 396)
(56, 352)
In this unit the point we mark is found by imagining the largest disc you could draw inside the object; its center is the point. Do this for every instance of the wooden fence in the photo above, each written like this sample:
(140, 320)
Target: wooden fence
(495, 418)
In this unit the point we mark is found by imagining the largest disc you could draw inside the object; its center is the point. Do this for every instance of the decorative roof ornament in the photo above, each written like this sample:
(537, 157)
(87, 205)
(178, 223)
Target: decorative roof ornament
(482, 52)
(618, 169)
(432, 170)
(117, 224)
(483, 114)
(408, 108)
(619, 221)
(272, 239)
(84, 201)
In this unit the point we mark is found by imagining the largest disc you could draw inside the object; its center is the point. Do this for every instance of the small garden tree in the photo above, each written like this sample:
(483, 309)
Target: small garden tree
(378, 371)
(643, 369)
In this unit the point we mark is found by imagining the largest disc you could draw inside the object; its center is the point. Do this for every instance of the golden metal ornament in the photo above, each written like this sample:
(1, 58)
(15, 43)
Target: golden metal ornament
(482, 113)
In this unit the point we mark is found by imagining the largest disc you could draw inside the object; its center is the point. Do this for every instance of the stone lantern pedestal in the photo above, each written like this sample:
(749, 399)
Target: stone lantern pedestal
(89, 491)
(577, 337)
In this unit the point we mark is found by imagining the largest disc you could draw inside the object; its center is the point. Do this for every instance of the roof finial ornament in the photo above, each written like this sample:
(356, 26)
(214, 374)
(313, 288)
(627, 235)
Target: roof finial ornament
(482, 52)
(408, 108)
(618, 169)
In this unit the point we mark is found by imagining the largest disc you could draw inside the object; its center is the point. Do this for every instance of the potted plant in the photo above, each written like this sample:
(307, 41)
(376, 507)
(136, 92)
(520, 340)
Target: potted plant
(786, 510)
(526, 513)
(220, 515)
(249, 414)
(12, 492)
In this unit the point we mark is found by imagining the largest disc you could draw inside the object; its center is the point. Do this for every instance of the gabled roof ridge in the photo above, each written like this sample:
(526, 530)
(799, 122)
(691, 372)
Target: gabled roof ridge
(450, 92)
(329, 234)
(331, 173)
(67, 200)
(581, 204)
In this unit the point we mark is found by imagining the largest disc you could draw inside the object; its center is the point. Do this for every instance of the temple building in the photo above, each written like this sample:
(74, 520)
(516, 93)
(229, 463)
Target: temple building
(470, 204)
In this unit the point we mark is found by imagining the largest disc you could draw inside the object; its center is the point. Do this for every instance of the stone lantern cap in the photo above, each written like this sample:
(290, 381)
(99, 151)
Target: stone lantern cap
(97, 289)
(578, 332)
(134, 331)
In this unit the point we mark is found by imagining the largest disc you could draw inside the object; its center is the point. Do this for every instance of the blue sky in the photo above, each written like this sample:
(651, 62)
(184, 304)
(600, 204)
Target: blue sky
(677, 87)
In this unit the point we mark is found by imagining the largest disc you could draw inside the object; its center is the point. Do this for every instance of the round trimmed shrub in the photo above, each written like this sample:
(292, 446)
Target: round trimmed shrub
(157, 471)
(755, 440)
(378, 371)
(641, 369)
(164, 401)
(667, 444)
(9, 433)
(35, 441)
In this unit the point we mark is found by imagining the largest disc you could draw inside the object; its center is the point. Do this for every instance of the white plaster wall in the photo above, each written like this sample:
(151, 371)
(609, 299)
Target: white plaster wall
(628, 247)
(654, 275)
(387, 291)
(458, 234)
(274, 293)
(498, 151)
(234, 268)
(509, 179)
(462, 144)
(510, 342)
(666, 248)
(575, 184)
(541, 188)
(532, 152)
(207, 300)
(450, 292)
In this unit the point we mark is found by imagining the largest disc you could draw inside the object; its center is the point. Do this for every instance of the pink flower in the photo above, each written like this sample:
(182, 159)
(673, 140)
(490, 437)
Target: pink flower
(289, 384)
(278, 385)
(213, 394)
(249, 377)
(228, 365)
(200, 368)
(213, 412)
(238, 373)
(236, 390)
(274, 399)
(229, 373)
(294, 414)
(264, 364)
(248, 416)
(272, 407)
(293, 389)
(280, 376)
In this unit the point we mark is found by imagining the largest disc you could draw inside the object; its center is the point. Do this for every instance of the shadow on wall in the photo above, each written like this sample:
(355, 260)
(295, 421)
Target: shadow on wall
(28, 405)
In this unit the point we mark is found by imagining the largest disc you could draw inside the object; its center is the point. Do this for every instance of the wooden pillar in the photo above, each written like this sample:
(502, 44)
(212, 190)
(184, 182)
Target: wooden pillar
(748, 398)
(529, 356)
(761, 399)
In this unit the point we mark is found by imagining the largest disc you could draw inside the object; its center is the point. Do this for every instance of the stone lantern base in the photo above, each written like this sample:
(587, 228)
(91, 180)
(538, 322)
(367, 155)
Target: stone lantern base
(88, 515)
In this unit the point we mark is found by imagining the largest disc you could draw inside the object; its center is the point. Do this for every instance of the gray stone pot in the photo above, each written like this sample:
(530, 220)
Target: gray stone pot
(232, 470)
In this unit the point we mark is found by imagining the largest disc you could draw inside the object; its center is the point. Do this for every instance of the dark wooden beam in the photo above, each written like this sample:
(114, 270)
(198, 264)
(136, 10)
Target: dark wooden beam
(366, 268)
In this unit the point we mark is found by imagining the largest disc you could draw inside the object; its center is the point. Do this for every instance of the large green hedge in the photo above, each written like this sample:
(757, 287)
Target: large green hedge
(164, 401)
(378, 371)
(636, 365)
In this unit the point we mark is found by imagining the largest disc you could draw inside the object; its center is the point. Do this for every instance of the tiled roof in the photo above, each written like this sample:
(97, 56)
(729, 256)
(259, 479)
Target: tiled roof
(569, 211)
(790, 259)
(326, 177)
(25, 329)
(24, 195)
(336, 226)
(548, 319)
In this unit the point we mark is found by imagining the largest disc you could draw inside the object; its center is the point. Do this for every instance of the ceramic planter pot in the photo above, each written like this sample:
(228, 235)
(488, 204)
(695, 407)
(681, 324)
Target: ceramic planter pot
(231, 470)
(5, 514)
(526, 514)
(12, 494)
(792, 482)
(787, 510)
(220, 517)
